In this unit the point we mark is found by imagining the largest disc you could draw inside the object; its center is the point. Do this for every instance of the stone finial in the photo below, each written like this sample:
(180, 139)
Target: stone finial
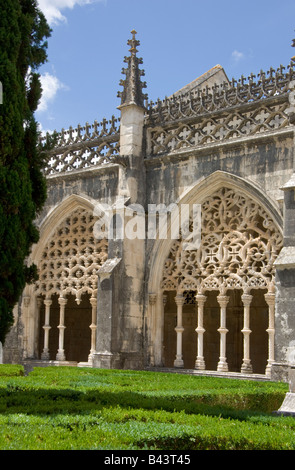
(132, 85)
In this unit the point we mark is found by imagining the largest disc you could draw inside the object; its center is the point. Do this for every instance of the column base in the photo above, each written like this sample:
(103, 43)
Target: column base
(45, 356)
(222, 366)
(178, 363)
(106, 360)
(60, 355)
(247, 367)
(200, 364)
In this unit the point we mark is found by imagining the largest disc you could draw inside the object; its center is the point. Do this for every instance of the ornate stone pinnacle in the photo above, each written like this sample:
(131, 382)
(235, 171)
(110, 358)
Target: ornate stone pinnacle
(133, 43)
(132, 85)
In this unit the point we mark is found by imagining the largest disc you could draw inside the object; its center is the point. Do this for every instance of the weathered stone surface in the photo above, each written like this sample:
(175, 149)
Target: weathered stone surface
(229, 148)
(288, 405)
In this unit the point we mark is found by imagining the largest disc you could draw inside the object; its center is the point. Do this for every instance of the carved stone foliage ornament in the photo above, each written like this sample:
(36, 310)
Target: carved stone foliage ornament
(70, 261)
(240, 243)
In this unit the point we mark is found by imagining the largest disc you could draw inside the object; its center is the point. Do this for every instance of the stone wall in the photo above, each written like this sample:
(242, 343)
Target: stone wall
(225, 134)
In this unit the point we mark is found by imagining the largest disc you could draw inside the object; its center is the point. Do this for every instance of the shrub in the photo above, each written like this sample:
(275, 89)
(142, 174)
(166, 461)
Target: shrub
(73, 408)
(11, 370)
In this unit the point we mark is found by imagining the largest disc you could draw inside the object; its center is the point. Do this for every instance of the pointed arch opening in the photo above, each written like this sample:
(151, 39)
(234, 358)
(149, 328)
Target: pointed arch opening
(68, 256)
(216, 303)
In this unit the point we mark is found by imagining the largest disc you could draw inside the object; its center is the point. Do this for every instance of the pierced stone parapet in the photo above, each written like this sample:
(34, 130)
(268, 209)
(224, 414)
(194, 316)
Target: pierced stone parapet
(84, 147)
(220, 127)
(235, 93)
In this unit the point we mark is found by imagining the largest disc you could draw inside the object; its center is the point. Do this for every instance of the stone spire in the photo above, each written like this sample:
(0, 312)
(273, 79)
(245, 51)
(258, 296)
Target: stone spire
(132, 85)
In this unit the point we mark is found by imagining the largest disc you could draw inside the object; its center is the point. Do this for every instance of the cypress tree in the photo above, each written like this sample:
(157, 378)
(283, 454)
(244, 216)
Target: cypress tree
(23, 48)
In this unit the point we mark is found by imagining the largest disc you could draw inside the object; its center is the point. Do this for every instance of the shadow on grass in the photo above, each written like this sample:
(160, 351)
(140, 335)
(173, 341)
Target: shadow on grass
(50, 401)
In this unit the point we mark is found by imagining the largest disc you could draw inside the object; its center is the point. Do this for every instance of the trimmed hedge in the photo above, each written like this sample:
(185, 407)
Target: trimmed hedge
(11, 370)
(73, 408)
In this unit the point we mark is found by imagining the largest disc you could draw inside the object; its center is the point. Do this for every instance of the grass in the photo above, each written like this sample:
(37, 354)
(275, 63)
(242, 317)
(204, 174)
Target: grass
(62, 408)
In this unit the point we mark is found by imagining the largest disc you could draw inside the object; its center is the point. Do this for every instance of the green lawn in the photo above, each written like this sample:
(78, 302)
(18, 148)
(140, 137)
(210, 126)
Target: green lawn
(61, 408)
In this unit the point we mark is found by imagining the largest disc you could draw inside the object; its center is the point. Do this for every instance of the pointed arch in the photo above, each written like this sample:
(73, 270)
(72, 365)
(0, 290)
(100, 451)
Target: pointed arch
(197, 194)
(55, 216)
(67, 257)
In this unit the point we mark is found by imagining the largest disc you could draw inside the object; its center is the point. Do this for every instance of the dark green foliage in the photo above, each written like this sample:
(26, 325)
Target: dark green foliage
(75, 408)
(11, 370)
(23, 30)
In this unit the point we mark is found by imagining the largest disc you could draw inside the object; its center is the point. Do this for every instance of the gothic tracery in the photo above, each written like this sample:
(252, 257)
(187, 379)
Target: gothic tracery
(239, 246)
(71, 258)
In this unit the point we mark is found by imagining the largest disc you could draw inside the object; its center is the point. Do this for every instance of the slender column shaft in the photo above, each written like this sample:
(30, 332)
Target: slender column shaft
(246, 365)
(27, 339)
(270, 300)
(45, 354)
(164, 300)
(61, 352)
(152, 302)
(179, 331)
(93, 327)
(200, 362)
(222, 364)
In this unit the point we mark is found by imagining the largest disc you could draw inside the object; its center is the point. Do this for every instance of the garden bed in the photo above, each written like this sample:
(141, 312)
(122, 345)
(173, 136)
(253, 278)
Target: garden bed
(80, 408)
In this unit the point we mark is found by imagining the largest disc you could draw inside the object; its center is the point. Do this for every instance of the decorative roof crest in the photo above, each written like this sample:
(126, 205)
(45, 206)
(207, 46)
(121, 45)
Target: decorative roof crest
(132, 85)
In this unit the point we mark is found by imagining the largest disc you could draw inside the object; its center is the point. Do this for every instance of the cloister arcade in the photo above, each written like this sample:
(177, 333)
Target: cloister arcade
(218, 309)
(64, 320)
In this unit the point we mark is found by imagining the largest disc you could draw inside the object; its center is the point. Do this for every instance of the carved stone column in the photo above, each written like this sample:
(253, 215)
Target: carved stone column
(28, 338)
(246, 366)
(200, 363)
(179, 299)
(152, 302)
(61, 352)
(45, 354)
(270, 300)
(222, 364)
(93, 328)
(164, 302)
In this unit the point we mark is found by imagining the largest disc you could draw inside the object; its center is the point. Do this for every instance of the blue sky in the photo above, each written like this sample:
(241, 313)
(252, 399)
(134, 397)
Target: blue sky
(180, 40)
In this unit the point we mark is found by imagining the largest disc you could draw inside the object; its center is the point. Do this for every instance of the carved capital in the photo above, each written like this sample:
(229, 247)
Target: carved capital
(270, 299)
(223, 300)
(179, 300)
(247, 299)
(93, 301)
(62, 301)
(200, 299)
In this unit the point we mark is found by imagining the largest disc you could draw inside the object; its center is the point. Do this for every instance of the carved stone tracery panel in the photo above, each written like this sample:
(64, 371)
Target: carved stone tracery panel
(216, 129)
(239, 244)
(70, 261)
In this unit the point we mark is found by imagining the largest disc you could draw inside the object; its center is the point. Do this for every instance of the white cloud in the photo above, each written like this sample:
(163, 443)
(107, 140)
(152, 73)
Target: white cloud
(52, 9)
(44, 131)
(50, 86)
(237, 56)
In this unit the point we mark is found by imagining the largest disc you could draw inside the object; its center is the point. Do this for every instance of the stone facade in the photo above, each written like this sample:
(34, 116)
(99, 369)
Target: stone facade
(137, 296)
